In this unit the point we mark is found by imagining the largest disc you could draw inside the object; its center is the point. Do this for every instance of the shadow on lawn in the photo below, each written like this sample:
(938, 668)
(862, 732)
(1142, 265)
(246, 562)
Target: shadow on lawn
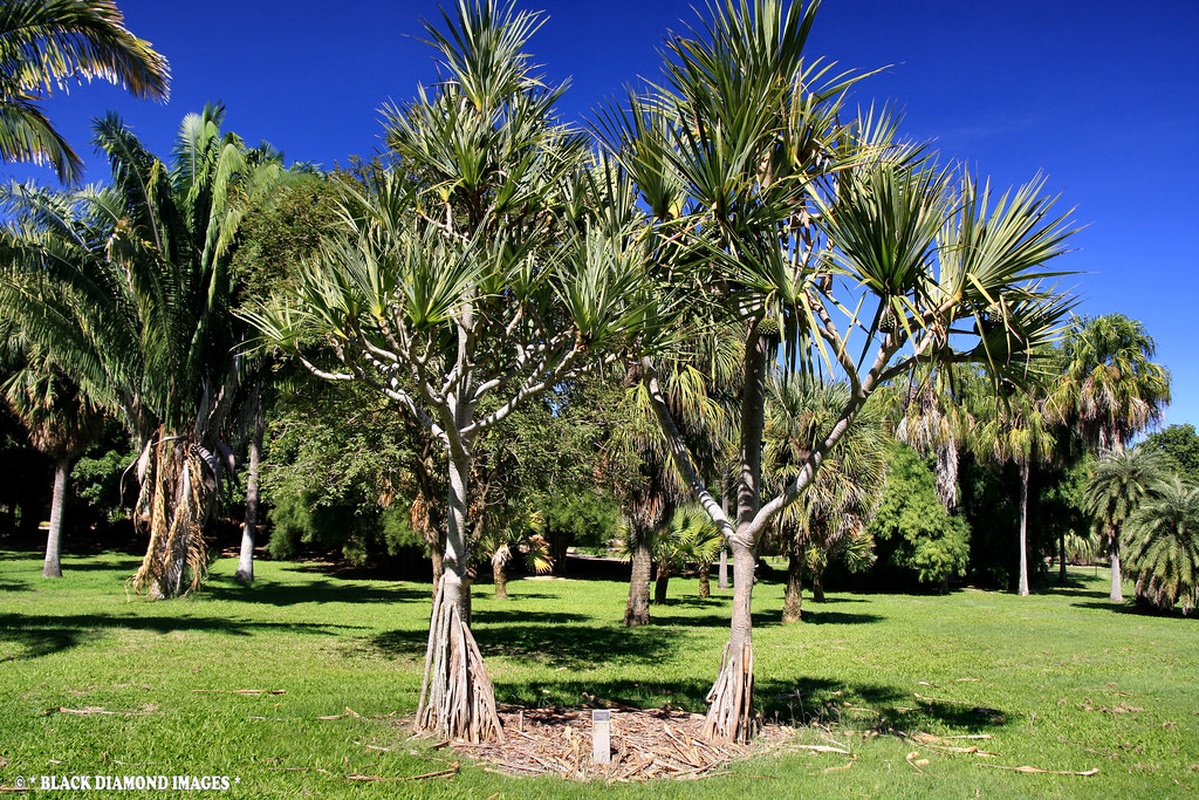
(810, 701)
(42, 636)
(312, 591)
(560, 647)
(767, 618)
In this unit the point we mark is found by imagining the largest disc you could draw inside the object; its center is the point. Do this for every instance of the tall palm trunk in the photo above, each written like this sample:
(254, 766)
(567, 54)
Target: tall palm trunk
(793, 596)
(1117, 592)
(661, 583)
(499, 576)
(730, 713)
(1024, 475)
(818, 583)
(636, 611)
(245, 561)
(52, 566)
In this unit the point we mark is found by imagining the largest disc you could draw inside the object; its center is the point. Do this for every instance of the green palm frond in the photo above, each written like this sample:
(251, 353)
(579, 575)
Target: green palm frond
(48, 44)
(1161, 544)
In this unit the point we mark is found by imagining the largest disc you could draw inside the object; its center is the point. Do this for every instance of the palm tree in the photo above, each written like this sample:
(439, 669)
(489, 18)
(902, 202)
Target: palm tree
(1014, 425)
(845, 491)
(1161, 540)
(690, 536)
(465, 281)
(759, 199)
(1120, 481)
(1110, 391)
(127, 289)
(61, 423)
(49, 43)
(934, 421)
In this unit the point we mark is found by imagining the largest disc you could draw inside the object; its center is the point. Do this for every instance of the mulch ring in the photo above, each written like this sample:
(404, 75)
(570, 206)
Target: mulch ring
(645, 744)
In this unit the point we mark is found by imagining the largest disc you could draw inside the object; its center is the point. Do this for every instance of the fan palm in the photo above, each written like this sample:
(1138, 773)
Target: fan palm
(760, 198)
(690, 536)
(845, 491)
(127, 289)
(61, 423)
(1161, 541)
(1120, 481)
(52, 43)
(1110, 389)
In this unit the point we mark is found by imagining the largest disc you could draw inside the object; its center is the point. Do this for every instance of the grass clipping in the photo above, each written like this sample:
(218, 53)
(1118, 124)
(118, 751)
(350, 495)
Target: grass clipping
(657, 743)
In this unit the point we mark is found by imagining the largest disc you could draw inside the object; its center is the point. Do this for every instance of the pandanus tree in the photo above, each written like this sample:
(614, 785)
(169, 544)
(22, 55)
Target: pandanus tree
(127, 289)
(464, 281)
(1109, 391)
(826, 241)
(833, 511)
(48, 44)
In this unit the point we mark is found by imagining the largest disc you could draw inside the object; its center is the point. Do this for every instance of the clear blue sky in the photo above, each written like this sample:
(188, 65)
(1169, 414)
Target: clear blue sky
(1101, 96)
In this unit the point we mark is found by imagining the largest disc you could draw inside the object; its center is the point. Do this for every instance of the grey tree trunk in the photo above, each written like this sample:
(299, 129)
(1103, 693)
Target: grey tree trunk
(636, 610)
(1061, 560)
(1117, 593)
(457, 699)
(723, 579)
(1023, 588)
(52, 566)
(730, 713)
(249, 533)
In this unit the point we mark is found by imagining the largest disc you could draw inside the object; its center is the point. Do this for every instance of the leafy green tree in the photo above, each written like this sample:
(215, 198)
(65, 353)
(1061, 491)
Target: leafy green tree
(767, 209)
(128, 289)
(1179, 444)
(462, 284)
(1120, 482)
(49, 43)
(1161, 540)
(920, 535)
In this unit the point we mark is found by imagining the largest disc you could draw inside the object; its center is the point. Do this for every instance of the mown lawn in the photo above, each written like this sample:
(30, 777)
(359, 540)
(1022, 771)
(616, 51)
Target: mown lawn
(1060, 680)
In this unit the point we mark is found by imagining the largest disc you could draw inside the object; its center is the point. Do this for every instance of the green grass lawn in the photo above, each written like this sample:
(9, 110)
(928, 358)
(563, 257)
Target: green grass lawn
(1060, 680)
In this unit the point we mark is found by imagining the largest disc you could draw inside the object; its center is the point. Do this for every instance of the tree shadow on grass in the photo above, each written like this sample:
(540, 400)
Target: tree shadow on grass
(313, 591)
(801, 702)
(771, 617)
(817, 701)
(42, 636)
(571, 647)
